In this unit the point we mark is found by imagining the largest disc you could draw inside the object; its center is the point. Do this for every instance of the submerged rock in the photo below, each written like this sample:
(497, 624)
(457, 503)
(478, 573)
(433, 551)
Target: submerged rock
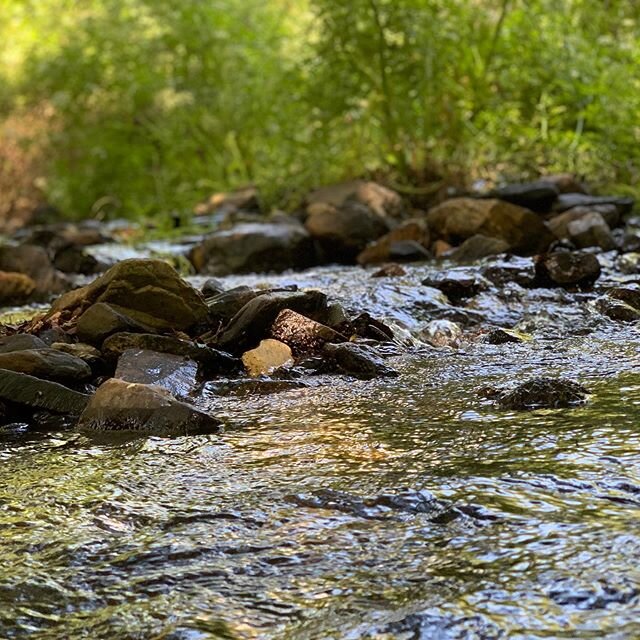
(442, 333)
(506, 336)
(617, 309)
(145, 410)
(457, 284)
(357, 361)
(46, 363)
(543, 393)
(567, 269)
(255, 247)
(28, 391)
(457, 219)
(176, 374)
(302, 334)
(268, 356)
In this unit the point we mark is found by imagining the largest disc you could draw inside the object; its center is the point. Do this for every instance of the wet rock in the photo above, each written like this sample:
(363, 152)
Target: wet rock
(442, 333)
(457, 284)
(506, 336)
(586, 229)
(212, 288)
(268, 356)
(46, 363)
(149, 292)
(543, 393)
(211, 360)
(568, 201)
(365, 326)
(617, 309)
(410, 240)
(85, 352)
(225, 305)
(343, 232)
(28, 391)
(538, 196)
(34, 262)
(357, 361)
(255, 247)
(75, 260)
(391, 270)
(243, 199)
(176, 374)
(102, 320)
(383, 201)
(629, 263)
(145, 410)
(20, 342)
(514, 269)
(567, 269)
(457, 219)
(302, 334)
(478, 247)
(252, 387)
(629, 294)
(15, 288)
(253, 321)
(381, 506)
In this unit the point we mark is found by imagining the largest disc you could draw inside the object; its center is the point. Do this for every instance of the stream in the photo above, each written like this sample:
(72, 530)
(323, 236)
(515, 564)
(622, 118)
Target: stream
(331, 508)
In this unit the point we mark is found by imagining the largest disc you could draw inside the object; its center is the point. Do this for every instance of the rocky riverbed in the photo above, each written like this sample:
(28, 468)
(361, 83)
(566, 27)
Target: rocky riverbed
(422, 446)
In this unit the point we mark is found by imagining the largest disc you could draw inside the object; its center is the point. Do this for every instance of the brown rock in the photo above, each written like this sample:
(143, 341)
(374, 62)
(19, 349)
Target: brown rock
(15, 288)
(302, 334)
(381, 250)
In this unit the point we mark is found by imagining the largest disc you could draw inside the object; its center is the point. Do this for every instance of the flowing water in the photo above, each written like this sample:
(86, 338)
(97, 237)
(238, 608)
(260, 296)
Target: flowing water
(405, 508)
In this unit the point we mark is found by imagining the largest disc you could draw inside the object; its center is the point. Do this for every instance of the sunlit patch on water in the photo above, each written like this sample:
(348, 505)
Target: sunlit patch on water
(281, 527)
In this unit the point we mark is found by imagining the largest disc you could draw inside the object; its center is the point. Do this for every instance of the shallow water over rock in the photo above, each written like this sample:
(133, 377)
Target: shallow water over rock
(406, 507)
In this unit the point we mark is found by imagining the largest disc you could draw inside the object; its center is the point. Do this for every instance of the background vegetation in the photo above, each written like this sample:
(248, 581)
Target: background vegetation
(143, 106)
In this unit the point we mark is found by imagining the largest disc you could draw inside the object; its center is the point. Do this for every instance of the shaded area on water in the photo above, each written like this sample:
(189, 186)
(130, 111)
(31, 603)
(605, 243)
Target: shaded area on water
(240, 535)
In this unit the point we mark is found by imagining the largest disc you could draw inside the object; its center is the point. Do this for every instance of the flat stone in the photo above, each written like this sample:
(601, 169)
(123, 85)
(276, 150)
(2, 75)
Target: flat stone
(538, 196)
(268, 356)
(543, 393)
(567, 201)
(145, 410)
(357, 361)
(26, 390)
(46, 363)
(102, 320)
(212, 360)
(20, 342)
(176, 374)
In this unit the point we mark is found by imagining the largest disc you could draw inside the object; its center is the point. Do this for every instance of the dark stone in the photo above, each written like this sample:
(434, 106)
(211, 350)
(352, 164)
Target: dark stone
(617, 309)
(543, 393)
(247, 328)
(102, 320)
(176, 374)
(255, 247)
(478, 247)
(407, 242)
(212, 288)
(145, 410)
(23, 389)
(46, 363)
(392, 270)
(75, 260)
(342, 233)
(567, 269)
(20, 342)
(357, 361)
(212, 361)
(408, 251)
(629, 295)
(86, 353)
(538, 196)
(504, 336)
(225, 305)
(521, 271)
(568, 201)
(457, 219)
(457, 284)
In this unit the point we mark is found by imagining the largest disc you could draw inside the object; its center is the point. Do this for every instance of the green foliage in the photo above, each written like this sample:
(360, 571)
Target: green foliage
(159, 102)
